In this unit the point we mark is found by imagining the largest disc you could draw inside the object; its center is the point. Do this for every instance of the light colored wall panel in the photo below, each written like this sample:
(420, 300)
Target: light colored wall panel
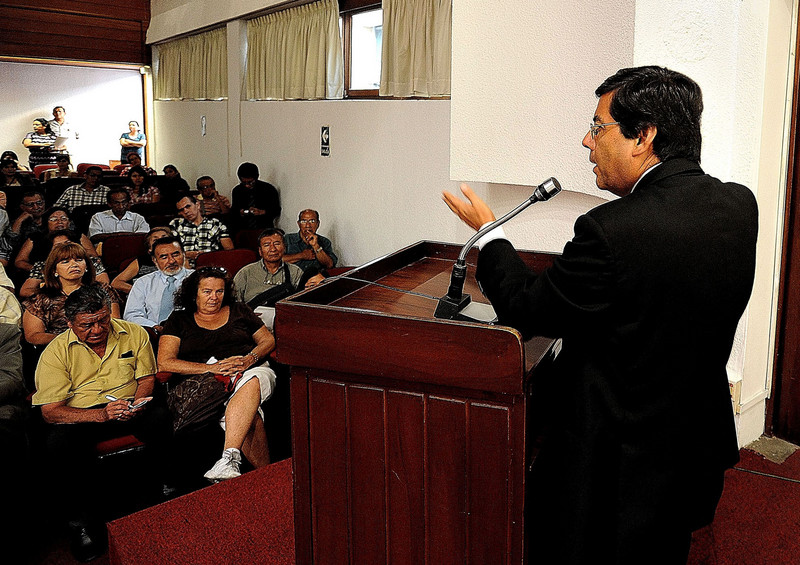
(180, 141)
(99, 103)
(524, 75)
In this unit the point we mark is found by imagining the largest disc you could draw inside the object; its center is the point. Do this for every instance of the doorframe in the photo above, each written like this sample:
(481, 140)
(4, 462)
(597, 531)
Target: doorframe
(777, 422)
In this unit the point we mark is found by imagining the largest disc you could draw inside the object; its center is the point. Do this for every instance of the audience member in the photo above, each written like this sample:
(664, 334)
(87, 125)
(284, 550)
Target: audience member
(12, 388)
(67, 269)
(313, 276)
(268, 280)
(12, 185)
(62, 128)
(6, 238)
(306, 248)
(64, 169)
(14, 522)
(142, 264)
(119, 218)
(213, 334)
(256, 202)
(54, 219)
(12, 393)
(10, 308)
(8, 154)
(98, 377)
(152, 297)
(41, 251)
(135, 161)
(213, 203)
(172, 185)
(40, 142)
(197, 233)
(10, 175)
(29, 221)
(132, 141)
(141, 187)
(90, 192)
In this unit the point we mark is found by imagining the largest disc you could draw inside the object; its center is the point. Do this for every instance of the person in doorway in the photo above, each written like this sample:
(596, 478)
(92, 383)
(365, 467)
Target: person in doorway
(132, 141)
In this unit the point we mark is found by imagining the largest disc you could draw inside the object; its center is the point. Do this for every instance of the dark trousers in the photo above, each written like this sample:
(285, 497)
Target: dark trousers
(73, 473)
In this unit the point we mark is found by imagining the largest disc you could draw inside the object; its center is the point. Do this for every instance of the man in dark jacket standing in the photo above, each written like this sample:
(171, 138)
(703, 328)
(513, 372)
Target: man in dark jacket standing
(646, 297)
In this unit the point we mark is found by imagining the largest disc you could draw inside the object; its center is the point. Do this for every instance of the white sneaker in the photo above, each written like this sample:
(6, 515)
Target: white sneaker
(227, 467)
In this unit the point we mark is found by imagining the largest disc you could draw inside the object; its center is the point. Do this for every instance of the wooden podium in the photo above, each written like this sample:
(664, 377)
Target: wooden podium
(408, 432)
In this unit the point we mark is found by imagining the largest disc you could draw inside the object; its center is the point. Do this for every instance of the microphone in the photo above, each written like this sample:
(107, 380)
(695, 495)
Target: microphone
(451, 304)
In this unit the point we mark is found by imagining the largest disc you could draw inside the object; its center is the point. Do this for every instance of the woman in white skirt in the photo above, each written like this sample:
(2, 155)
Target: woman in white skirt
(212, 336)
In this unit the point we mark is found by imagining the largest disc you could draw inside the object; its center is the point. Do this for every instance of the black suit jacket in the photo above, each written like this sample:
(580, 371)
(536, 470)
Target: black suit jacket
(646, 297)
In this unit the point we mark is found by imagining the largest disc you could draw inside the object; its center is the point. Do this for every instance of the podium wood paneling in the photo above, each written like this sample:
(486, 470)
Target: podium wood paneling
(409, 433)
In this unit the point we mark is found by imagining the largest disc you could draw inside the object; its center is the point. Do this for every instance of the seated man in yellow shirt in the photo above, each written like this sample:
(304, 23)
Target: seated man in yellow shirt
(97, 376)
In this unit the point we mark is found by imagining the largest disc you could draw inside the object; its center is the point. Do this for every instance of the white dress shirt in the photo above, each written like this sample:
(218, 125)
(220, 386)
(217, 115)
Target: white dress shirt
(144, 300)
(107, 222)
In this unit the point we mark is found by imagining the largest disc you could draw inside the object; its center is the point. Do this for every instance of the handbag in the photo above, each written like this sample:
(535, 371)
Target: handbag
(196, 401)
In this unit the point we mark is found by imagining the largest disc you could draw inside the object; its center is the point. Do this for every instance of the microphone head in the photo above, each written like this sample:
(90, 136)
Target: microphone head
(546, 190)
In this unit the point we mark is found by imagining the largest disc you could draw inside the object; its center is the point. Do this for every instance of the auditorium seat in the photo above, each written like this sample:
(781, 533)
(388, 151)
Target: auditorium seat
(119, 247)
(231, 260)
(54, 188)
(82, 215)
(81, 168)
(246, 239)
(38, 170)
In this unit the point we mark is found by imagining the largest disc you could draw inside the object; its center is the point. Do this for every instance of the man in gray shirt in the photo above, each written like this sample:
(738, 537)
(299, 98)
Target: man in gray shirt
(268, 274)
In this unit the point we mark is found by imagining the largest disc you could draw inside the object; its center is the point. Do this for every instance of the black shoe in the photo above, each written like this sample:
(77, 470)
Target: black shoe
(83, 544)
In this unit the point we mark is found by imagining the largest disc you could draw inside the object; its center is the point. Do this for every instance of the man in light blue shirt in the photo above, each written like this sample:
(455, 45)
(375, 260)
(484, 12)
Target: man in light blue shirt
(151, 299)
(119, 219)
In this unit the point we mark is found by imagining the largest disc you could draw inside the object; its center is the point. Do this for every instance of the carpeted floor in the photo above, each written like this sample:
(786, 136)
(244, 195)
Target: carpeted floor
(757, 521)
(246, 520)
(758, 518)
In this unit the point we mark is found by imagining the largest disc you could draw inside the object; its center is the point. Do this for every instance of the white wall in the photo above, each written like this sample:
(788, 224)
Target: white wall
(380, 188)
(524, 75)
(730, 47)
(99, 104)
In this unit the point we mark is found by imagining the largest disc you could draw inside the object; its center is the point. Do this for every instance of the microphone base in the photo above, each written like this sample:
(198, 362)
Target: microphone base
(448, 309)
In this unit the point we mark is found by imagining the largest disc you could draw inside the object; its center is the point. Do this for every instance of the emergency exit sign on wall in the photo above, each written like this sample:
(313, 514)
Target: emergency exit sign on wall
(325, 141)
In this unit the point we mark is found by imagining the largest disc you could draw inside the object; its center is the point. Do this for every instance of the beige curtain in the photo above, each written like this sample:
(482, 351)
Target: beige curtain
(193, 68)
(415, 60)
(295, 54)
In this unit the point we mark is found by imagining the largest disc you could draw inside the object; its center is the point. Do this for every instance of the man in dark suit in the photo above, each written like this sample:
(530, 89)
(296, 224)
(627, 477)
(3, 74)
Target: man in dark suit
(646, 298)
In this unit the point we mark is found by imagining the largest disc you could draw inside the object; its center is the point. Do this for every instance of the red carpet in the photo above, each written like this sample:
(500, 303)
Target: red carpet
(214, 525)
(250, 520)
(758, 518)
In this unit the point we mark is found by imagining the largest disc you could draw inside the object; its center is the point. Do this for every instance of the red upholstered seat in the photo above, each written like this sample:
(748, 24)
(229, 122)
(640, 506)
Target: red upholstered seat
(231, 260)
(119, 247)
(81, 168)
(38, 170)
(118, 445)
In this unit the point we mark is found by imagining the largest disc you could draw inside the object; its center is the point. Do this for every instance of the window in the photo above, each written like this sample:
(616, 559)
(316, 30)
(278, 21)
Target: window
(362, 40)
(396, 48)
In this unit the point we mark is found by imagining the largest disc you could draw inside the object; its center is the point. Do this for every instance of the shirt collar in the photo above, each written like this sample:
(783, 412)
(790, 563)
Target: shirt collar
(642, 176)
(178, 276)
(264, 267)
(113, 334)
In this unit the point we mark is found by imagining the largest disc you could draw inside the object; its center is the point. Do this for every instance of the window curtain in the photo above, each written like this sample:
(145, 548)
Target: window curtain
(416, 48)
(295, 54)
(194, 68)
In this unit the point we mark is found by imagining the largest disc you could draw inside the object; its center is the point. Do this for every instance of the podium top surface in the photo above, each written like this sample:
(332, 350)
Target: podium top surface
(379, 319)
